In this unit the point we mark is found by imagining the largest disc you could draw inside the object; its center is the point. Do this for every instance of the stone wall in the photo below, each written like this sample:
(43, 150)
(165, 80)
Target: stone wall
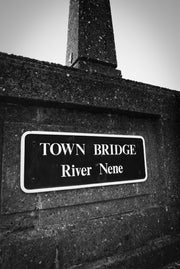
(72, 227)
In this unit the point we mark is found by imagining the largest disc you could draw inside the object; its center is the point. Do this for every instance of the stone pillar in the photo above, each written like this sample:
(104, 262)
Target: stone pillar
(91, 44)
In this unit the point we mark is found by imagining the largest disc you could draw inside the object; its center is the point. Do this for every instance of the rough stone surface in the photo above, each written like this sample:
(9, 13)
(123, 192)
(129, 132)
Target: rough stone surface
(105, 226)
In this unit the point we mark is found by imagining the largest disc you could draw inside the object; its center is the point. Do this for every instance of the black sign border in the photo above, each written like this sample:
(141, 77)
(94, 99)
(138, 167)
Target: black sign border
(22, 162)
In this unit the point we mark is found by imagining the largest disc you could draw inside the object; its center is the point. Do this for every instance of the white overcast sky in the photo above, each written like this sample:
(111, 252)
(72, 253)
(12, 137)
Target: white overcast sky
(147, 35)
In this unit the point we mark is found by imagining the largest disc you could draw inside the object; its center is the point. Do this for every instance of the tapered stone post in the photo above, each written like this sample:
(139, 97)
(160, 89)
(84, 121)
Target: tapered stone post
(91, 43)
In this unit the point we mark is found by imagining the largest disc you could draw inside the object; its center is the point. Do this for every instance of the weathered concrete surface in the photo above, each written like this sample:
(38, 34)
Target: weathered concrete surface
(151, 255)
(82, 226)
(38, 81)
(173, 265)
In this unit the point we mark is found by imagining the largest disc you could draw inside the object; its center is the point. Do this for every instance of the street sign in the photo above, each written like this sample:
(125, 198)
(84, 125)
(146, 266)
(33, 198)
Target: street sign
(52, 161)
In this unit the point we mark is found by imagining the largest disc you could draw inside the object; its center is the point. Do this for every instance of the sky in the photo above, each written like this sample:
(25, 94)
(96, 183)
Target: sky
(147, 35)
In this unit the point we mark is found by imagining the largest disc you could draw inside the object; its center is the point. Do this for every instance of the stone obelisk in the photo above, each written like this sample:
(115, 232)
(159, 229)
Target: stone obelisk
(91, 43)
